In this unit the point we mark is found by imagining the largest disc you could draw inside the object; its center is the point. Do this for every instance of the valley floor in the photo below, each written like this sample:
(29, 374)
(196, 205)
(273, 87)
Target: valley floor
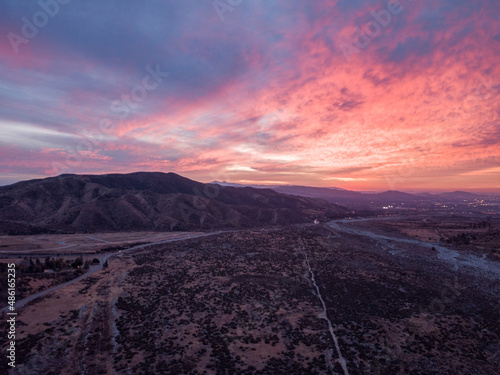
(323, 299)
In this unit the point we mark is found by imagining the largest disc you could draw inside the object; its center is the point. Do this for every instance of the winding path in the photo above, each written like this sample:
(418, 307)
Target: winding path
(21, 303)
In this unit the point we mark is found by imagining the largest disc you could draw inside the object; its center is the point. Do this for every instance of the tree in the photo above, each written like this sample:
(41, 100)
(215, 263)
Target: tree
(78, 262)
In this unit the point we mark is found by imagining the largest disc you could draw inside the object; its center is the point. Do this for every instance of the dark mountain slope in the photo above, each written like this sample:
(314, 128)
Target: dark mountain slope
(147, 201)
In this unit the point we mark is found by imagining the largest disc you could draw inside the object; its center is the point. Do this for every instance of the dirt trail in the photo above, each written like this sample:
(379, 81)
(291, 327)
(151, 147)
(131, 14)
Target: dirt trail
(21, 303)
(324, 314)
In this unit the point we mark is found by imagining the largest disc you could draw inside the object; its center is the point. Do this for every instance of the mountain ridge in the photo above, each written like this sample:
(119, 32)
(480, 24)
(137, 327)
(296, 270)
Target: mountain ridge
(147, 201)
(344, 196)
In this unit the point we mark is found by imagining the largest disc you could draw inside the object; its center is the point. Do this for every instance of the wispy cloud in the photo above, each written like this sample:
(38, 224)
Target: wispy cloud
(265, 95)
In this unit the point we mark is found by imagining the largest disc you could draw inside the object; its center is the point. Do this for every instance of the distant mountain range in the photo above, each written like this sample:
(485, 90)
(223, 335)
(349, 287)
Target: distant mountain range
(148, 201)
(342, 196)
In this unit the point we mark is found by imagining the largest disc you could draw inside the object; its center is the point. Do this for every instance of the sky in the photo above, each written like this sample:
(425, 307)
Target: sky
(357, 94)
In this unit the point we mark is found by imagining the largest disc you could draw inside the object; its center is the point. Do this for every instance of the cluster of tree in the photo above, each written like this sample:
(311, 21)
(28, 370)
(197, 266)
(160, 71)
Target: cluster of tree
(55, 264)
(3, 267)
(462, 239)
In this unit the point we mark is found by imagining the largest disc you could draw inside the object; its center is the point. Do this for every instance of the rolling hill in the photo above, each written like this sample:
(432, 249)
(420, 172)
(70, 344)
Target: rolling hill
(147, 201)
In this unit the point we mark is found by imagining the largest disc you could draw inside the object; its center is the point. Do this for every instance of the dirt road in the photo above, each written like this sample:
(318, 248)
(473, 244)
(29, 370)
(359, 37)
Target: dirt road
(21, 303)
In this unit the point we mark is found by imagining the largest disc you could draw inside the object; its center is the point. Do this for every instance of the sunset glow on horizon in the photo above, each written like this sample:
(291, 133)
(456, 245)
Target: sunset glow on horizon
(362, 95)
